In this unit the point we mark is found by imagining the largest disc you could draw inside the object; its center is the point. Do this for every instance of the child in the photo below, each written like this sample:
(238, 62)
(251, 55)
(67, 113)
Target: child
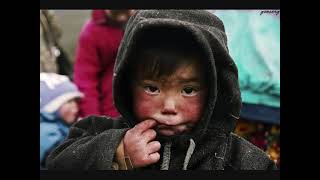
(95, 56)
(58, 110)
(177, 91)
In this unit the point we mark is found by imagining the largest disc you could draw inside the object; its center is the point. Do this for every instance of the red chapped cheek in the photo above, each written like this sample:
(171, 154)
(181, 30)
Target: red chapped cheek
(145, 106)
(191, 108)
(69, 112)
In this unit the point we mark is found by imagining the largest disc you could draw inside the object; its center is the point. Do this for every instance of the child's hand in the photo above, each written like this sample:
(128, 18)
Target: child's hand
(138, 144)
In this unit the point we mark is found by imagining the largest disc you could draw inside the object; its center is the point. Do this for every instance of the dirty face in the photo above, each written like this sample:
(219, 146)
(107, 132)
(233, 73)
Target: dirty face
(175, 102)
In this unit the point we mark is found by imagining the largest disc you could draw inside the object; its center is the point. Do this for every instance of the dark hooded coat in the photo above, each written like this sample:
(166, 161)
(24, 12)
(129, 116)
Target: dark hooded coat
(210, 145)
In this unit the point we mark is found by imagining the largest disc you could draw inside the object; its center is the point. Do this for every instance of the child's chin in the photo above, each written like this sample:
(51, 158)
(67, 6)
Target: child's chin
(181, 139)
(166, 132)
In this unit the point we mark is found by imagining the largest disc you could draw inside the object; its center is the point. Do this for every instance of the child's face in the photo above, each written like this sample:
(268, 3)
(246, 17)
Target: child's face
(119, 16)
(176, 102)
(69, 111)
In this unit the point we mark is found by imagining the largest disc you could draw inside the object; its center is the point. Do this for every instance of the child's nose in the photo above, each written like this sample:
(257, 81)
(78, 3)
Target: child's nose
(169, 107)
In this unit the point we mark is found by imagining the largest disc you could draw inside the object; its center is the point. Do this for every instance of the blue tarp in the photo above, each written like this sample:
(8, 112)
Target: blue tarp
(254, 44)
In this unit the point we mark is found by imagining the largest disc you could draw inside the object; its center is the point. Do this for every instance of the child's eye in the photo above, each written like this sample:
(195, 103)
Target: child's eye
(189, 91)
(151, 89)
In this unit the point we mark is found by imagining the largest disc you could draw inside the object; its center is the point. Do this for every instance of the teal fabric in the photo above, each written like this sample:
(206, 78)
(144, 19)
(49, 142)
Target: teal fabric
(254, 44)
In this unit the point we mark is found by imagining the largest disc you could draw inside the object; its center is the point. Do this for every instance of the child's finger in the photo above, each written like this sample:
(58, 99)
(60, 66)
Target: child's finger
(149, 135)
(154, 157)
(144, 125)
(153, 147)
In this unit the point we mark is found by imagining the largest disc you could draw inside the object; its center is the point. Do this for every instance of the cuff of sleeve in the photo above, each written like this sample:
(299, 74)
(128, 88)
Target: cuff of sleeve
(122, 160)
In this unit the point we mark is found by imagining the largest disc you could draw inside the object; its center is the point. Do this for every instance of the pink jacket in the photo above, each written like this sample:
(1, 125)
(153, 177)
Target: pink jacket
(95, 56)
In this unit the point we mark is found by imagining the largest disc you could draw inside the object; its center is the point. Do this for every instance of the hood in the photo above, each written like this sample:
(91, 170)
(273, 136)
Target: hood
(224, 100)
(55, 90)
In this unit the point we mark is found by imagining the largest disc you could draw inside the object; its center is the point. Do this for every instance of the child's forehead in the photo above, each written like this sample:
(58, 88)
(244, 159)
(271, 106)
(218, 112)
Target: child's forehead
(158, 64)
(188, 69)
(185, 72)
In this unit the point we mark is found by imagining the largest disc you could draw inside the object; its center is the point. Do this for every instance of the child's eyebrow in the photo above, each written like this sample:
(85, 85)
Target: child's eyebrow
(187, 80)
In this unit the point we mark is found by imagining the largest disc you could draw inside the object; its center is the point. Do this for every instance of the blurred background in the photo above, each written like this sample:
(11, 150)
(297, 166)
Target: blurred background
(253, 40)
(71, 22)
